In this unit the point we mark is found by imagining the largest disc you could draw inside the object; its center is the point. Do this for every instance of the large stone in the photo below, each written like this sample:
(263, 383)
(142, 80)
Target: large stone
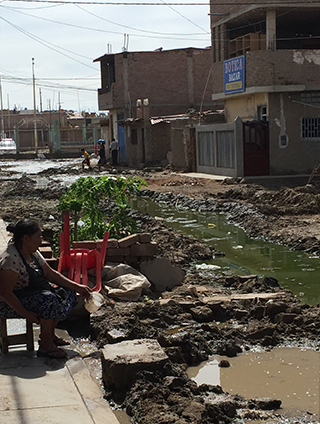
(122, 361)
(162, 273)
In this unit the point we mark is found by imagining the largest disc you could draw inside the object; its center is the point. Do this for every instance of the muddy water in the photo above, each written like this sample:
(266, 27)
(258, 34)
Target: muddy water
(288, 374)
(243, 255)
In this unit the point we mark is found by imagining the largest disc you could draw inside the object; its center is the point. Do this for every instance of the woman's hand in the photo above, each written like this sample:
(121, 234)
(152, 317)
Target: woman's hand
(84, 291)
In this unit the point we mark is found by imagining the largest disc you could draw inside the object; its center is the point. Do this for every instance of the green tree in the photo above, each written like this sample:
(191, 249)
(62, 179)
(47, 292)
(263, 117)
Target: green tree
(86, 200)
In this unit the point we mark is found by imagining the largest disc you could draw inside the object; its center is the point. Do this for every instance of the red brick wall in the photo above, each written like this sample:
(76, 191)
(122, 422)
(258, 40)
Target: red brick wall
(162, 77)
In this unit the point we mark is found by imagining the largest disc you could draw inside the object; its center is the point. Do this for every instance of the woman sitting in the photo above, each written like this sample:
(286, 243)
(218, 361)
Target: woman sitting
(25, 287)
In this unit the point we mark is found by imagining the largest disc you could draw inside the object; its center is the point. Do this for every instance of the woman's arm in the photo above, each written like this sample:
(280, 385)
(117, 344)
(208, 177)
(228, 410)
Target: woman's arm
(60, 280)
(8, 280)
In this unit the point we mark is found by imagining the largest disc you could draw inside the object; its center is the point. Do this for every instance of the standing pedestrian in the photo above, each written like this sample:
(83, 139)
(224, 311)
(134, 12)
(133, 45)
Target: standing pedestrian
(114, 147)
(102, 154)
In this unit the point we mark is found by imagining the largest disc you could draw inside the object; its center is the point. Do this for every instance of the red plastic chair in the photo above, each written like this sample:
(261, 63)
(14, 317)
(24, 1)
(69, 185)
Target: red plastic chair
(78, 261)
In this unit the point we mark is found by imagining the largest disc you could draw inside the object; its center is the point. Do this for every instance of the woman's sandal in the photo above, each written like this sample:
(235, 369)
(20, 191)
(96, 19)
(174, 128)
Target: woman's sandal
(61, 342)
(51, 354)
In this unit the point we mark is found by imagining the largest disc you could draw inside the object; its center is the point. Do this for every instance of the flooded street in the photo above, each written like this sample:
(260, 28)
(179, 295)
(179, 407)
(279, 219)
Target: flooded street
(290, 371)
(296, 271)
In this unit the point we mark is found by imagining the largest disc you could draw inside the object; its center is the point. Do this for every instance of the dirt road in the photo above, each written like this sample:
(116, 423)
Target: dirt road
(286, 214)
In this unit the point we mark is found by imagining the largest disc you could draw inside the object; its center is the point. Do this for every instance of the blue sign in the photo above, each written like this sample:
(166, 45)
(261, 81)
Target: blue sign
(234, 75)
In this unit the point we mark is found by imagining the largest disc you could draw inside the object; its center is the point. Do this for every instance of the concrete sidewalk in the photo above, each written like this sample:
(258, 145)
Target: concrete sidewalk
(45, 390)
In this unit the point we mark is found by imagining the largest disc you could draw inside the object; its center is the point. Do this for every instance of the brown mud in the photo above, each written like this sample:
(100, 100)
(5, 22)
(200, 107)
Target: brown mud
(188, 326)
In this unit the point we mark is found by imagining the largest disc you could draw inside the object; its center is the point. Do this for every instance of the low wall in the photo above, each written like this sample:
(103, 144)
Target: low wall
(131, 249)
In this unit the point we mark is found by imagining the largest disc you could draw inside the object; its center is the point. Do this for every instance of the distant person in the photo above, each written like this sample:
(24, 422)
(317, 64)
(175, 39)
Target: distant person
(102, 155)
(101, 141)
(114, 147)
(86, 160)
(98, 144)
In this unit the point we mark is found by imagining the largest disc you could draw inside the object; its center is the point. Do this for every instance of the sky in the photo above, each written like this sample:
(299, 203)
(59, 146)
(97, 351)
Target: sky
(64, 37)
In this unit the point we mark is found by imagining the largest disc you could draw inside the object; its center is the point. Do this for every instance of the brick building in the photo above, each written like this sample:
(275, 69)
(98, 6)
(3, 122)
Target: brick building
(266, 63)
(152, 84)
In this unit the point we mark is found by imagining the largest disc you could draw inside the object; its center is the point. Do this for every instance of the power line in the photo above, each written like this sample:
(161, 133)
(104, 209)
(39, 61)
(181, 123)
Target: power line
(226, 3)
(132, 28)
(45, 43)
(108, 31)
(187, 19)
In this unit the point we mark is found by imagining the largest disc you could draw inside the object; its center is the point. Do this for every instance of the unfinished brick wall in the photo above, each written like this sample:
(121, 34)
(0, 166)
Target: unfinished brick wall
(131, 249)
(172, 80)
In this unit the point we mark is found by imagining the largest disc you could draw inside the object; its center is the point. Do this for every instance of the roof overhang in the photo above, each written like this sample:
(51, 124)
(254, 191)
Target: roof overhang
(260, 89)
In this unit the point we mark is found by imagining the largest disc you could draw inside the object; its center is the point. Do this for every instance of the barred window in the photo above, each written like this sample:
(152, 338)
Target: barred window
(310, 129)
(310, 97)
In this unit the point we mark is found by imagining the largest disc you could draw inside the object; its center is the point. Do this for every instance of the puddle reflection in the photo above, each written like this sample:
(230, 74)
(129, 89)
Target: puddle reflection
(288, 374)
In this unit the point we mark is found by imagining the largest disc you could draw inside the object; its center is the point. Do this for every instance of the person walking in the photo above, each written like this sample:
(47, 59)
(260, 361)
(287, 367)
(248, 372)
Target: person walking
(114, 147)
(86, 160)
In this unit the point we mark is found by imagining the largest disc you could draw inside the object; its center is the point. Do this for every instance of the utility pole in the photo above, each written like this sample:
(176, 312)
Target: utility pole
(34, 109)
(9, 122)
(40, 93)
(2, 117)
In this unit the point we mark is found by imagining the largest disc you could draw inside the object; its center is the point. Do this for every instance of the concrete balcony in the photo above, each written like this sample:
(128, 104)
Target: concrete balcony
(275, 71)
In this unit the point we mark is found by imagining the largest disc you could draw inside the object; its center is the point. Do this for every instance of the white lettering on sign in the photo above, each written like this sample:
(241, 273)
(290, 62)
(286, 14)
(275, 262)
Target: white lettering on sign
(234, 77)
(233, 65)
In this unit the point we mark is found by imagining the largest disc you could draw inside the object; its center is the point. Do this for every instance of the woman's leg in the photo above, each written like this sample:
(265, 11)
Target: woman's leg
(47, 335)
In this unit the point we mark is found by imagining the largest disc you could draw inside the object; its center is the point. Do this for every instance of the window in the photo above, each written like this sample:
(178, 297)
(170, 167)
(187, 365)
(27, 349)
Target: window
(108, 73)
(262, 113)
(310, 129)
(310, 97)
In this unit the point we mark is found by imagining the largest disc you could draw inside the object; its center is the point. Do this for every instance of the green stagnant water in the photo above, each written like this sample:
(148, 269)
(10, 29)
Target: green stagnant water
(296, 271)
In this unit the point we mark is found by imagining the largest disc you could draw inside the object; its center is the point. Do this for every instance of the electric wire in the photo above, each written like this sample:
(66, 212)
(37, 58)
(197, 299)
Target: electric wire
(44, 43)
(223, 3)
(132, 28)
(166, 35)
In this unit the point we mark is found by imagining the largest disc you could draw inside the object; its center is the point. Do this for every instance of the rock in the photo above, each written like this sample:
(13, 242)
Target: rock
(202, 314)
(271, 282)
(175, 354)
(274, 308)
(224, 363)
(257, 312)
(162, 273)
(265, 404)
(261, 333)
(269, 341)
(240, 313)
(122, 361)
(229, 349)
(285, 318)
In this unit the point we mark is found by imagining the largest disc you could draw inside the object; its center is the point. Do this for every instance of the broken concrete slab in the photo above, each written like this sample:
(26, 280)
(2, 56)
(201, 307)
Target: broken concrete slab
(162, 273)
(242, 296)
(122, 361)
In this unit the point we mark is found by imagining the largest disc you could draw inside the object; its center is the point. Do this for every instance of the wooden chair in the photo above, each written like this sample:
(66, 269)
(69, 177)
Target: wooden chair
(7, 340)
(79, 261)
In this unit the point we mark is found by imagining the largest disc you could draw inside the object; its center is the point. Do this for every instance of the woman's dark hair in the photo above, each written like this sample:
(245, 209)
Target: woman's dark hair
(23, 227)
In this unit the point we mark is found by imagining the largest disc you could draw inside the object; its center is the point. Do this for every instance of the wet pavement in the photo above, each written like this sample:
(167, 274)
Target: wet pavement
(44, 390)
